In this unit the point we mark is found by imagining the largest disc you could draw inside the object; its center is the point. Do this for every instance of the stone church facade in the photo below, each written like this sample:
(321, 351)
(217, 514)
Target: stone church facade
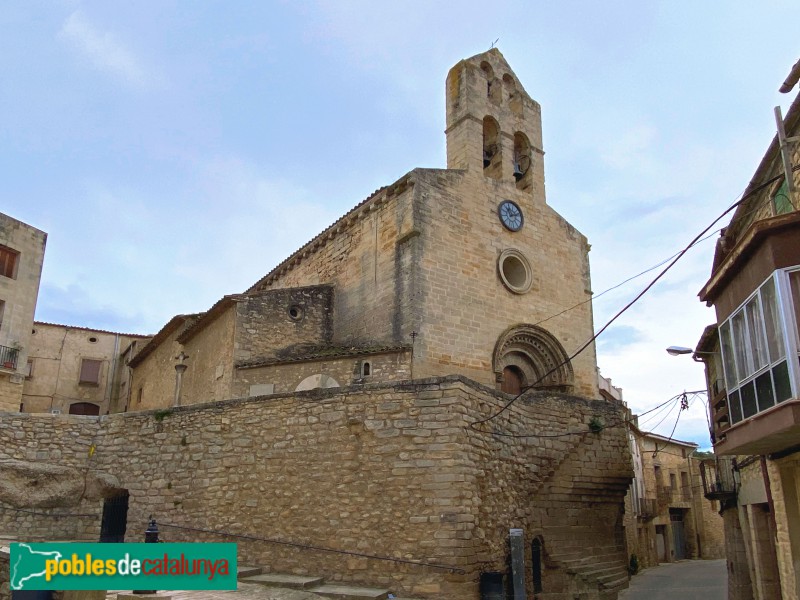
(334, 403)
(444, 271)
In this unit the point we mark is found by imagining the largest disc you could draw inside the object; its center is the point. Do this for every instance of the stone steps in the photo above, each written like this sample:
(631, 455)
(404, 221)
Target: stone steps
(347, 592)
(294, 582)
(314, 585)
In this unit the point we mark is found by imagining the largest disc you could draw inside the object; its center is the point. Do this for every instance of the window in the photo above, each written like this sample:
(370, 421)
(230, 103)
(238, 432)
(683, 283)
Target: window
(754, 343)
(8, 262)
(29, 369)
(90, 371)
(366, 369)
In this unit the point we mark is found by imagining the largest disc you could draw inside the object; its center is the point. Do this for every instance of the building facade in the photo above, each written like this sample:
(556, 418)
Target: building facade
(751, 356)
(78, 370)
(668, 518)
(21, 257)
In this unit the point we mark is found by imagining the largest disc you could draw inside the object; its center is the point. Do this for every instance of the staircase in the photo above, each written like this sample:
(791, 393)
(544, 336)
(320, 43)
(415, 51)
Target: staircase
(313, 585)
(604, 569)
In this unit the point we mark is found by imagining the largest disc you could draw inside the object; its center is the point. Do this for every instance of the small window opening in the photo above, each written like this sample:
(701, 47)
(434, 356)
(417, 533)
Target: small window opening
(491, 148)
(8, 262)
(93, 340)
(296, 313)
(493, 87)
(366, 369)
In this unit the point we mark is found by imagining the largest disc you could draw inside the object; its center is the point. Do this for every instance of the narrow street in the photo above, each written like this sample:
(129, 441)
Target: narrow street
(684, 580)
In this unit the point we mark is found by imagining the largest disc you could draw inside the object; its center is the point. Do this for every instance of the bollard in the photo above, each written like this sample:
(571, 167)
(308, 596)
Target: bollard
(151, 533)
(150, 537)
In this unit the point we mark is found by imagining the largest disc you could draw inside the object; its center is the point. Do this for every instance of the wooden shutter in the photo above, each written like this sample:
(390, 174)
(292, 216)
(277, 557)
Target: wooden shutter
(90, 371)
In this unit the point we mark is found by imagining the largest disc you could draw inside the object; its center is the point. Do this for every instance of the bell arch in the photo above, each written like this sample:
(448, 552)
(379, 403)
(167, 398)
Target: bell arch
(535, 354)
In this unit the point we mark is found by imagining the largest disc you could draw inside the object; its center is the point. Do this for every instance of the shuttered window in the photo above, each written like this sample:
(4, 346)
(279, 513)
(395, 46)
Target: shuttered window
(90, 371)
(8, 262)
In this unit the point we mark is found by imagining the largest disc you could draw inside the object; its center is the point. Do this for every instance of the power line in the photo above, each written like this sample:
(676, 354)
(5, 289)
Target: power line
(647, 288)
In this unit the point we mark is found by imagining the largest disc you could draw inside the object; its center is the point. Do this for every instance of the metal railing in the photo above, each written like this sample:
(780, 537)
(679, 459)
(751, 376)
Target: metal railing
(648, 508)
(664, 494)
(8, 357)
(718, 477)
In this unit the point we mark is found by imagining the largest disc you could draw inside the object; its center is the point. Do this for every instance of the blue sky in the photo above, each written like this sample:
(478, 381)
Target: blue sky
(176, 151)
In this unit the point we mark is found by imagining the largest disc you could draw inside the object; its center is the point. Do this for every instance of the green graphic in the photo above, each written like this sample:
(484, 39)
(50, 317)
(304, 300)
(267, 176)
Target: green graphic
(80, 566)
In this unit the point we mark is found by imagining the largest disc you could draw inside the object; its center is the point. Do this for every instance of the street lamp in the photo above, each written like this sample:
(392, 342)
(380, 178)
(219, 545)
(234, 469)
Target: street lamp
(678, 350)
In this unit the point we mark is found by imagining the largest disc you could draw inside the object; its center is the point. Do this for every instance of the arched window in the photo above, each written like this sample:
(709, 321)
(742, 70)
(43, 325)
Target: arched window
(491, 148)
(366, 369)
(514, 99)
(523, 162)
(537, 354)
(493, 87)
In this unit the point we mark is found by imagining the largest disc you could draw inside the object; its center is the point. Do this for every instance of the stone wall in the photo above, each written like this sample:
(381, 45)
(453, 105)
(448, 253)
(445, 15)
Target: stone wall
(265, 322)
(210, 373)
(389, 470)
(345, 370)
(153, 379)
(359, 257)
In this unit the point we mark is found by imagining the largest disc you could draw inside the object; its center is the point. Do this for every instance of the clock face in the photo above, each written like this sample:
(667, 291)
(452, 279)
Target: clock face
(510, 215)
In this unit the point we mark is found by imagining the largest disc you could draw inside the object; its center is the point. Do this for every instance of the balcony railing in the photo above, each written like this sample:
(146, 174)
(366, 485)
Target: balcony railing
(647, 508)
(718, 479)
(664, 495)
(686, 494)
(8, 358)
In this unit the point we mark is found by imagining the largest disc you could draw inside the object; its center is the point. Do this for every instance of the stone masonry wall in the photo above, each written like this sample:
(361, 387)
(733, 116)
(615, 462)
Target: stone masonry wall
(153, 380)
(358, 258)
(466, 306)
(209, 375)
(264, 324)
(346, 370)
(382, 469)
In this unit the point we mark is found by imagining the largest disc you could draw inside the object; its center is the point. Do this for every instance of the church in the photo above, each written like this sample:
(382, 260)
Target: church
(399, 403)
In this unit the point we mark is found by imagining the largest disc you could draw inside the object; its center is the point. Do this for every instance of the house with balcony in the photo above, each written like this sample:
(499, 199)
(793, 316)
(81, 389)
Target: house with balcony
(21, 257)
(753, 374)
(666, 517)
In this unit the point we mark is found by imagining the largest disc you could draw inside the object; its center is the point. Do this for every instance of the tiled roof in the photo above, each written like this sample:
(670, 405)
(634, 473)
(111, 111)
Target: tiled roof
(208, 317)
(136, 335)
(310, 353)
(172, 325)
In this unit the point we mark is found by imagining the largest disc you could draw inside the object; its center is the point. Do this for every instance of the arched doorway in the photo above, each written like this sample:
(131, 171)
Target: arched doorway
(84, 408)
(534, 357)
(513, 380)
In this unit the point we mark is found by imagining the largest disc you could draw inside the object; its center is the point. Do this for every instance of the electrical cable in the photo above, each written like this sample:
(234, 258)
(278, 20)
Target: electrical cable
(647, 288)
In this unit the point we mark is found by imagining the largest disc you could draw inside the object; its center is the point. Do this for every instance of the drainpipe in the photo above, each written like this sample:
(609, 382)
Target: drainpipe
(112, 374)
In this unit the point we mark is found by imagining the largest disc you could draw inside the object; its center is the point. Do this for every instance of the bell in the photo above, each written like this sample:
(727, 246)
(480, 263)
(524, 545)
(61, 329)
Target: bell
(518, 174)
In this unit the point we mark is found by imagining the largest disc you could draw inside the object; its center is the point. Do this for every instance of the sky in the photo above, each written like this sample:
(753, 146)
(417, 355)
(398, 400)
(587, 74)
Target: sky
(175, 152)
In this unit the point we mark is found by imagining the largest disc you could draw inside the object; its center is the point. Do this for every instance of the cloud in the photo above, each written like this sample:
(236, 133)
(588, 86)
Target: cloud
(104, 51)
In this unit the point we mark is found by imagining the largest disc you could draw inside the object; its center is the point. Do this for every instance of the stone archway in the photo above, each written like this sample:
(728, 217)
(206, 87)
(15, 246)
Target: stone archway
(533, 354)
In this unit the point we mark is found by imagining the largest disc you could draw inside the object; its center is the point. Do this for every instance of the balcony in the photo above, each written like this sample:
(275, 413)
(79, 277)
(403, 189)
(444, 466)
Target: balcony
(718, 478)
(664, 495)
(686, 494)
(8, 358)
(648, 508)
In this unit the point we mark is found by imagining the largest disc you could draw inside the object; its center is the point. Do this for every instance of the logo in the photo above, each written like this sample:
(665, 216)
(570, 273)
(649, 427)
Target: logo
(65, 566)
